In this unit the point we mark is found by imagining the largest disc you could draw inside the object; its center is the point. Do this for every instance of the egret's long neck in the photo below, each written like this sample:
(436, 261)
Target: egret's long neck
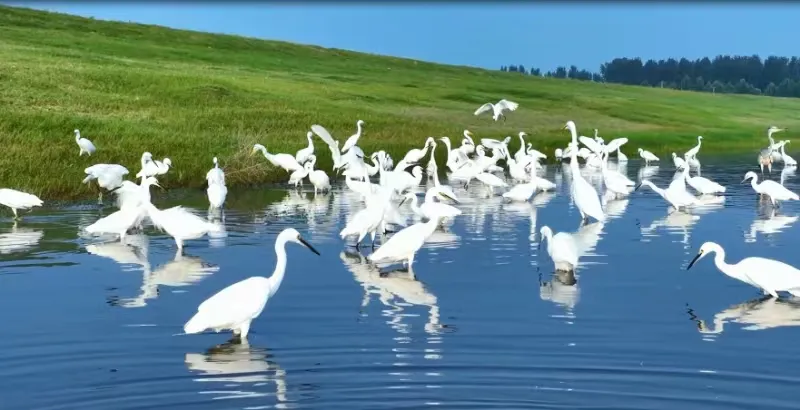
(549, 236)
(719, 260)
(265, 152)
(358, 130)
(573, 163)
(414, 204)
(655, 189)
(754, 184)
(310, 142)
(77, 136)
(280, 267)
(436, 177)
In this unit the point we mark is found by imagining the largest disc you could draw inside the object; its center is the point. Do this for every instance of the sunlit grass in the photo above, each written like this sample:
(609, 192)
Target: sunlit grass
(190, 96)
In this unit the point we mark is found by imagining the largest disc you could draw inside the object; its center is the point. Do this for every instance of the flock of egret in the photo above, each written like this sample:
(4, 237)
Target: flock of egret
(234, 307)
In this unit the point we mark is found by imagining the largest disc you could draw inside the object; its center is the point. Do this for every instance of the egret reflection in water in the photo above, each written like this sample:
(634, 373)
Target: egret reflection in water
(238, 371)
(758, 314)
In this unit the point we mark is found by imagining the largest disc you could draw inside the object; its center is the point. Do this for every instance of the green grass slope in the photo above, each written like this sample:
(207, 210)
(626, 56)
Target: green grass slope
(190, 96)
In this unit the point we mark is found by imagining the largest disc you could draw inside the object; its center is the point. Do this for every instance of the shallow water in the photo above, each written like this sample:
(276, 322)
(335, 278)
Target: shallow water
(94, 325)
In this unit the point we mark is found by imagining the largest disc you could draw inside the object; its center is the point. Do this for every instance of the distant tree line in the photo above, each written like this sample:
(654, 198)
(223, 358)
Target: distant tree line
(774, 76)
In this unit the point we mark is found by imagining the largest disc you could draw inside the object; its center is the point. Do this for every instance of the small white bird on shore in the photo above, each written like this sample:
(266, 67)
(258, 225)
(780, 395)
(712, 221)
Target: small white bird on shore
(84, 144)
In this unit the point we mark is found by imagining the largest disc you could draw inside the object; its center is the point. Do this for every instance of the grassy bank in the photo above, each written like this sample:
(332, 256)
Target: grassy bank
(190, 96)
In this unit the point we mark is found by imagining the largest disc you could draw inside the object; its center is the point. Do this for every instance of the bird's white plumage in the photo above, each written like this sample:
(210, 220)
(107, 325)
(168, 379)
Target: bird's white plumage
(562, 248)
(84, 144)
(235, 306)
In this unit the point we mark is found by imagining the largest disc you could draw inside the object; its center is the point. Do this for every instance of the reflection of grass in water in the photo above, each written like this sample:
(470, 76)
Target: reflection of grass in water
(190, 96)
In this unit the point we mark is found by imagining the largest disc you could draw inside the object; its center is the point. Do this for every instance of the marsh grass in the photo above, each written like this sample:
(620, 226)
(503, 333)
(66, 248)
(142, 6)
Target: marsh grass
(190, 96)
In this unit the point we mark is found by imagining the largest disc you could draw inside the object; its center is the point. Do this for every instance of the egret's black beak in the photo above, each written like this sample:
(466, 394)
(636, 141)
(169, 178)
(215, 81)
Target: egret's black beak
(402, 202)
(637, 187)
(696, 257)
(307, 245)
(743, 181)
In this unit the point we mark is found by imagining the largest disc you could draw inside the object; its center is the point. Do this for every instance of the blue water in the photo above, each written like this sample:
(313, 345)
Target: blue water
(93, 325)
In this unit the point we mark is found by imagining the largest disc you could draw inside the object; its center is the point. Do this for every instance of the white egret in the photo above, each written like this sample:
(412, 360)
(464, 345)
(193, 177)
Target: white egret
(693, 152)
(769, 275)
(497, 108)
(108, 176)
(234, 307)
(296, 178)
(431, 168)
(151, 167)
(302, 155)
(180, 223)
(216, 191)
(522, 148)
(353, 140)
(446, 189)
(318, 177)
(679, 162)
(430, 208)
(491, 181)
(787, 160)
(647, 156)
(404, 244)
(775, 191)
(215, 175)
(18, 200)
(562, 248)
(84, 144)
(677, 197)
(583, 193)
(455, 156)
(284, 161)
(702, 185)
(414, 155)
(467, 144)
(121, 221)
(368, 220)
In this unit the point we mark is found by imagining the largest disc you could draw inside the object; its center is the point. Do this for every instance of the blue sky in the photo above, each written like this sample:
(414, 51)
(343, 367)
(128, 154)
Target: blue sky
(542, 35)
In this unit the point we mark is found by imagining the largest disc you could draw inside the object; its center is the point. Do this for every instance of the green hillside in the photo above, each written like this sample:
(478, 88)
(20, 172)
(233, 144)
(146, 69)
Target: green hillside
(190, 96)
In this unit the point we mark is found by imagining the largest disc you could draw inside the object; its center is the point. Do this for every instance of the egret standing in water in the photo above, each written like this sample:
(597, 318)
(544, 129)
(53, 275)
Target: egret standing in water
(234, 307)
(562, 249)
(775, 191)
(583, 193)
(403, 245)
(217, 191)
(769, 275)
(18, 200)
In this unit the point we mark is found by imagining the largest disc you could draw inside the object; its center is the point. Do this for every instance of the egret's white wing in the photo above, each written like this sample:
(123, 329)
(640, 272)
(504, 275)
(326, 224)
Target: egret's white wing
(593, 145)
(484, 108)
(770, 274)
(616, 143)
(507, 105)
(323, 134)
(401, 244)
(232, 305)
(17, 199)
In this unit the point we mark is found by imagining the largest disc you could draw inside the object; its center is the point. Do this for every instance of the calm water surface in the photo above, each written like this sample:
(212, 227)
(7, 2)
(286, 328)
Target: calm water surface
(97, 325)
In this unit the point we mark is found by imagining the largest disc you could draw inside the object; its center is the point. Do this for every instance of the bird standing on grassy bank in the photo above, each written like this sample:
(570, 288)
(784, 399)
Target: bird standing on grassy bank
(497, 109)
(84, 144)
